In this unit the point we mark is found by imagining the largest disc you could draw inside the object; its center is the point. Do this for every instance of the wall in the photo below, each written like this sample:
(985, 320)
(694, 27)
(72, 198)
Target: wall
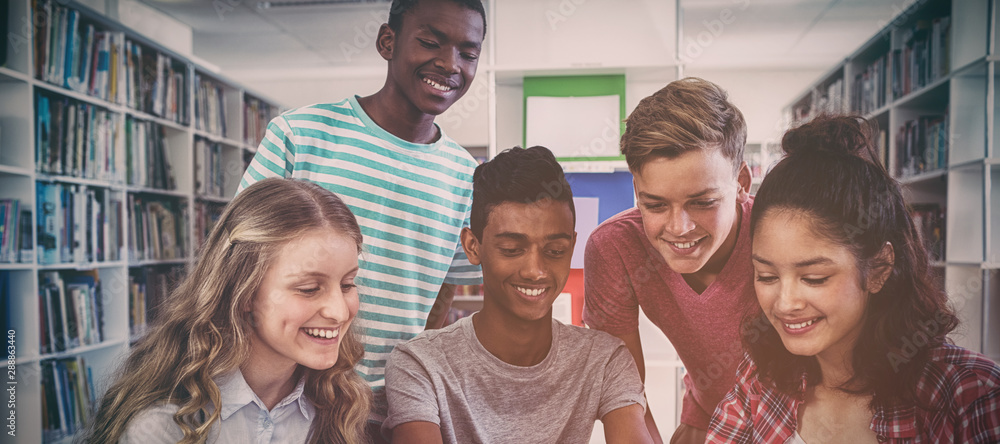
(761, 95)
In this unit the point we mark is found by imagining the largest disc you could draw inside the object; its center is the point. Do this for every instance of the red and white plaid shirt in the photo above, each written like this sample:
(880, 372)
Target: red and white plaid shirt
(963, 386)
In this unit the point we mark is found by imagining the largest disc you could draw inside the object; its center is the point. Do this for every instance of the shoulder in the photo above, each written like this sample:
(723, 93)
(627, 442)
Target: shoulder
(582, 335)
(619, 227)
(431, 342)
(599, 344)
(153, 425)
(956, 378)
(323, 112)
(454, 152)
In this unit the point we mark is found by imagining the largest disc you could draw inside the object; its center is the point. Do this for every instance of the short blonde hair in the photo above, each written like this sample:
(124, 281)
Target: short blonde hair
(687, 114)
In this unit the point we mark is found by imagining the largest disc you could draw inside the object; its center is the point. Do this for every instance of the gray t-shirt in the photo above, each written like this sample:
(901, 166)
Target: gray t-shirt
(446, 377)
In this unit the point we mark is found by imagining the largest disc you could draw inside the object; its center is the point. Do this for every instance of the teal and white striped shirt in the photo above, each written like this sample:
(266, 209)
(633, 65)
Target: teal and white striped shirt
(411, 201)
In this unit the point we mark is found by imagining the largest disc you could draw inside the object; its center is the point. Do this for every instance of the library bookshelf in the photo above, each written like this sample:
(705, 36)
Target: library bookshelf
(929, 79)
(120, 154)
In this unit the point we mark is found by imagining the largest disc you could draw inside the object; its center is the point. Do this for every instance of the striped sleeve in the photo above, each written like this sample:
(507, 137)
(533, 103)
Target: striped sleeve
(462, 272)
(275, 155)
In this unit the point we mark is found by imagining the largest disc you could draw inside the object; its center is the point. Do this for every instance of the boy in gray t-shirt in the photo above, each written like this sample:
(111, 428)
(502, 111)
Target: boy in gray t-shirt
(510, 373)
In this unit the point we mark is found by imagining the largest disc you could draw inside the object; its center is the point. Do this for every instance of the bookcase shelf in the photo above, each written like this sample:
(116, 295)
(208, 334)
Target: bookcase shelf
(162, 100)
(938, 118)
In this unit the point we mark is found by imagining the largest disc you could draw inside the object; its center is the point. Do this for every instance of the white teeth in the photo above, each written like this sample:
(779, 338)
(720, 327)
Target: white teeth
(802, 325)
(437, 86)
(323, 333)
(531, 292)
(684, 244)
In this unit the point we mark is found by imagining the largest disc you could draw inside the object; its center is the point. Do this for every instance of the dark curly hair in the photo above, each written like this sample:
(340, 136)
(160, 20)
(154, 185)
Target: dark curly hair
(832, 174)
(517, 175)
(399, 8)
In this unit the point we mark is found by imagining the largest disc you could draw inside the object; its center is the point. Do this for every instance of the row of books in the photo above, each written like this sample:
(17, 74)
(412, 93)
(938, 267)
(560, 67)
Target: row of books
(157, 228)
(72, 313)
(921, 58)
(922, 145)
(872, 87)
(823, 100)
(147, 288)
(929, 219)
(77, 224)
(147, 155)
(210, 107)
(73, 52)
(209, 169)
(68, 397)
(206, 214)
(77, 139)
(924, 56)
(256, 115)
(15, 232)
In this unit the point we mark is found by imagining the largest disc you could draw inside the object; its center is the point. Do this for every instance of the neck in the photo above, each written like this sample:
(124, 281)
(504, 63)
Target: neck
(271, 383)
(407, 122)
(516, 342)
(835, 367)
(701, 279)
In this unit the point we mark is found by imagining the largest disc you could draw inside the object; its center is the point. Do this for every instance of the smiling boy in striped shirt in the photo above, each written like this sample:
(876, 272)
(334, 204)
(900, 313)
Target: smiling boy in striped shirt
(408, 183)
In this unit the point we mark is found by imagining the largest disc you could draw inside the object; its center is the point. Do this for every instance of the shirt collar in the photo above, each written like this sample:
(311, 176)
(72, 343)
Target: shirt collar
(236, 394)
(893, 423)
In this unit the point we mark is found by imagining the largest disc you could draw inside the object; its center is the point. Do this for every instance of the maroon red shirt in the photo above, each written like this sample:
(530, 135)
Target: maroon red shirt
(623, 272)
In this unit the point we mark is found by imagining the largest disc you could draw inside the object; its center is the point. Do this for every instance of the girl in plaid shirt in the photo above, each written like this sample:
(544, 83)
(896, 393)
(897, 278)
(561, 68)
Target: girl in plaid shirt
(851, 344)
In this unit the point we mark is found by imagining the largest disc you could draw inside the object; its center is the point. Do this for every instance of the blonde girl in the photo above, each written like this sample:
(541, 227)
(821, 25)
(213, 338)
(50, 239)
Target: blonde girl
(260, 327)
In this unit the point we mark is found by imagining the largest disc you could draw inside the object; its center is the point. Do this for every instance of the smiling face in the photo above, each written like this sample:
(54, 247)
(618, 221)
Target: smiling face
(433, 55)
(525, 253)
(689, 206)
(306, 301)
(809, 287)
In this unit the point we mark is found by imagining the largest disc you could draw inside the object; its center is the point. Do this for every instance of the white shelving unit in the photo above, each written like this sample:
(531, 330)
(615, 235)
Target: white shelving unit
(19, 87)
(965, 182)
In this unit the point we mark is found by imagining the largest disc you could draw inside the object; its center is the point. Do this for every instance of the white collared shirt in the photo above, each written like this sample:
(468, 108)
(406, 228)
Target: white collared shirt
(245, 418)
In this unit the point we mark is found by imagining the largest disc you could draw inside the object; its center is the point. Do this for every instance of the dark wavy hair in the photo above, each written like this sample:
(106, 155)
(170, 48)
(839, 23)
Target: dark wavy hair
(517, 175)
(832, 175)
(399, 8)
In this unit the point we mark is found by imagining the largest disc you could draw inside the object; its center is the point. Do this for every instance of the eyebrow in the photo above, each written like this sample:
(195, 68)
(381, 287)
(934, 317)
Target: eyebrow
(318, 273)
(643, 194)
(523, 237)
(443, 36)
(801, 264)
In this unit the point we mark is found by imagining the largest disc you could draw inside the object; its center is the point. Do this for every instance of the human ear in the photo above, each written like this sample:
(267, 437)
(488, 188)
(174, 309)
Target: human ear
(744, 179)
(384, 41)
(885, 260)
(471, 246)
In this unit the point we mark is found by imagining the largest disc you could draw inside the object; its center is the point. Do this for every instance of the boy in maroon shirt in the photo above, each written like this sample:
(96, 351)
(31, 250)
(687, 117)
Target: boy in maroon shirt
(683, 255)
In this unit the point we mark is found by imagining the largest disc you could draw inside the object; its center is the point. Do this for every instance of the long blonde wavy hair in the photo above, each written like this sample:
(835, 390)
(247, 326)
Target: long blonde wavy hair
(204, 330)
